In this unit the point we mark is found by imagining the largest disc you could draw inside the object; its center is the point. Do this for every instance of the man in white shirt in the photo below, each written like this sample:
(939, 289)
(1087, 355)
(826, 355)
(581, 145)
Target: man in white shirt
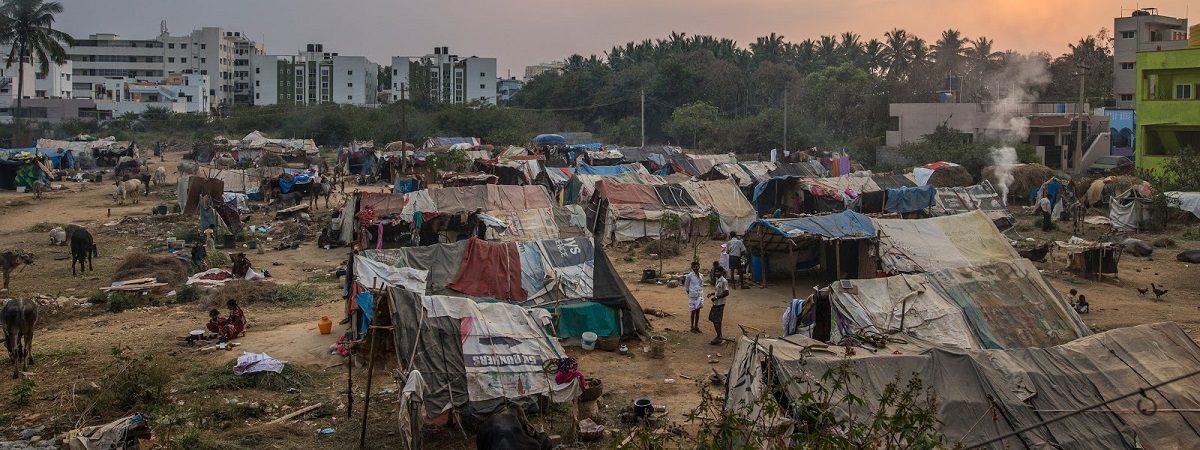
(717, 311)
(693, 283)
(736, 250)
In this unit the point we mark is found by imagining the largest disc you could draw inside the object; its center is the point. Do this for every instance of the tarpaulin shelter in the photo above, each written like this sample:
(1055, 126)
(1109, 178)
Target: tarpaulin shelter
(570, 276)
(1006, 304)
(732, 171)
(928, 245)
(581, 187)
(191, 187)
(1090, 259)
(812, 169)
(982, 197)
(474, 357)
(1184, 201)
(984, 394)
(255, 144)
(805, 195)
(446, 142)
(909, 199)
(8, 173)
(839, 243)
(628, 211)
(1130, 210)
(549, 139)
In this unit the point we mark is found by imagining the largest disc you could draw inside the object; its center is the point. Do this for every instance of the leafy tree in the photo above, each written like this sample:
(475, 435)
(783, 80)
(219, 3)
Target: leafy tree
(27, 26)
(692, 119)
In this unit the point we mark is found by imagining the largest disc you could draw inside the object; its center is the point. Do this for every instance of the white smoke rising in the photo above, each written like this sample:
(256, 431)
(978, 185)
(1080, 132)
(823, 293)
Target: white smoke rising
(1016, 87)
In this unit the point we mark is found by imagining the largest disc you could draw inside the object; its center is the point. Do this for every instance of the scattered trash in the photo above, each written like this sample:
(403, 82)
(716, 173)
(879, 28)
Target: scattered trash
(257, 362)
(326, 430)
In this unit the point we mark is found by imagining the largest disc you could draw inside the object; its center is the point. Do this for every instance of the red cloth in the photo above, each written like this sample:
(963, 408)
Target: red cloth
(618, 193)
(490, 269)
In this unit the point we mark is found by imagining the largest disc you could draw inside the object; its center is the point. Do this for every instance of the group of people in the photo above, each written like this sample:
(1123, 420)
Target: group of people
(693, 284)
(230, 327)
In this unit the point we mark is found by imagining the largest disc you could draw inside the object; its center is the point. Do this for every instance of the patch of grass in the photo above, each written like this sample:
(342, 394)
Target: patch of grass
(22, 392)
(44, 354)
(322, 278)
(187, 293)
(222, 378)
(186, 232)
(1190, 234)
(217, 259)
(294, 295)
(43, 227)
(120, 301)
(131, 383)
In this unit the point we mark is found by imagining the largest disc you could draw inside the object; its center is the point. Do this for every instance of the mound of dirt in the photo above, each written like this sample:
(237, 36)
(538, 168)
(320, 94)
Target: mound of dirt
(164, 267)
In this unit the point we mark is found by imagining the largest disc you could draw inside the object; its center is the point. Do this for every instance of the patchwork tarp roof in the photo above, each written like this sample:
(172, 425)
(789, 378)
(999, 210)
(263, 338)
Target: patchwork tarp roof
(1000, 305)
(489, 197)
(928, 245)
(581, 187)
(843, 225)
(983, 197)
(982, 394)
(450, 141)
(586, 169)
(535, 272)
(801, 169)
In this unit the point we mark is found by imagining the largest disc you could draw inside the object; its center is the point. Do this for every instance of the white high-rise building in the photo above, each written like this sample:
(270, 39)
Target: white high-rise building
(313, 76)
(451, 79)
(210, 51)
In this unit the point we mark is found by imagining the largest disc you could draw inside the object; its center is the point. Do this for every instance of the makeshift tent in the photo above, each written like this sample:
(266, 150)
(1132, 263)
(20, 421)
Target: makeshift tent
(982, 197)
(1090, 259)
(1130, 210)
(927, 245)
(474, 356)
(732, 171)
(446, 142)
(627, 211)
(549, 139)
(1184, 201)
(559, 274)
(909, 199)
(983, 394)
(1005, 304)
(734, 212)
(812, 169)
(190, 188)
(838, 243)
(581, 187)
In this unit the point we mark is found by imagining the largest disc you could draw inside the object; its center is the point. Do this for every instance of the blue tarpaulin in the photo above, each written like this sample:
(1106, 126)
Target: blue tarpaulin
(285, 183)
(909, 199)
(549, 139)
(846, 224)
(585, 169)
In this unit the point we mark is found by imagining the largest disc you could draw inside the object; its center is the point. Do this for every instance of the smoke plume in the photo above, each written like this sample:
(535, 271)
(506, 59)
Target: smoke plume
(1008, 125)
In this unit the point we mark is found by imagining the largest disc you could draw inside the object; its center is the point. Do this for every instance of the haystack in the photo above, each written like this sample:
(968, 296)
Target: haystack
(1026, 178)
(951, 176)
(165, 268)
(1099, 189)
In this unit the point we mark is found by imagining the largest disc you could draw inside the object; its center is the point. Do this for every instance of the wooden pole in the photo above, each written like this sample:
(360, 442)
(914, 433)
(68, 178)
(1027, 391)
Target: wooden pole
(837, 255)
(362, 434)
(792, 253)
(350, 384)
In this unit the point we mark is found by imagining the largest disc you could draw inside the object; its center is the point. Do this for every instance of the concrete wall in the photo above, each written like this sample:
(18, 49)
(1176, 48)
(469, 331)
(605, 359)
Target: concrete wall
(1179, 115)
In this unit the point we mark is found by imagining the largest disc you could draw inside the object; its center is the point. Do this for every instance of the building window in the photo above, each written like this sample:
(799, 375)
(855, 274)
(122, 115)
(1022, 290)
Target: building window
(183, 60)
(203, 60)
(1183, 92)
(170, 45)
(212, 92)
(482, 86)
(257, 83)
(349, 84)
(256, 70)
(256, 95)
(1127, 97)
(482, 75)
(183, 46)
(170, 60)
(349, 72)
(1127, 66)
(299, 97)
(1128, 34)
(204, 72)
(395, 72)
(349, 97)
(203, 46)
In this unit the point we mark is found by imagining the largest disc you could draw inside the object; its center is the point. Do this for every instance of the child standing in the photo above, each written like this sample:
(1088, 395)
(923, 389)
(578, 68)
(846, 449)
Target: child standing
(717, 311)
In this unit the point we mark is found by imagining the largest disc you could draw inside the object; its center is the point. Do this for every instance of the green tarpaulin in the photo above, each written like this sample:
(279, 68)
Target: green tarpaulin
(575, 319)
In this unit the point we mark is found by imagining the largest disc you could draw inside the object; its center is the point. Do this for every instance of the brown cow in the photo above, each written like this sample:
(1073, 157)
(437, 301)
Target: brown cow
(20, 317)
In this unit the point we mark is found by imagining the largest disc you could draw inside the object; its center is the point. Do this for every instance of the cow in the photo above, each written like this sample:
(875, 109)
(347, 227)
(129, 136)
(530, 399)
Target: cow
(322, 189)
(83, 249)
(187, 168)
(10, 260)
(508, 429)
(160, 175)
(124, 188)
(145, 178)
(19, 316)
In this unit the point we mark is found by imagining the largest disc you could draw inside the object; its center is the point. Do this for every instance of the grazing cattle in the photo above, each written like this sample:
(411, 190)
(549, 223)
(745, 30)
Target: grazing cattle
(187, 167)
(160, 175)
(271, 190)
(145, 178)
(508, 429)
(19, 316)
(83, 248)
(322, 189)
(9, 261)
(124, 188)
(38, 188)
(289, 199)
(58, 236)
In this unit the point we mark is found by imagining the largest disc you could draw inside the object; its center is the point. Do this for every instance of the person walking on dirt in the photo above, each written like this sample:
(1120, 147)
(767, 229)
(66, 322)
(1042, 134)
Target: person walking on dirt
(717, 311)
(1045, 208)
(693, 283)
(736, 250)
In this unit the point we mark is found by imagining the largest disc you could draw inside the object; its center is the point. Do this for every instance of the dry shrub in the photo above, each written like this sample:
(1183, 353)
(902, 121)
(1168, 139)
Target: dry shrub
(951, 176)
(1026, 178)
(165, 268)
(665, 248)
(246, 292)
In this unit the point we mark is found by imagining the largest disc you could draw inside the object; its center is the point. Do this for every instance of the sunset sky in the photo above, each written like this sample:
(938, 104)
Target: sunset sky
(523, 32)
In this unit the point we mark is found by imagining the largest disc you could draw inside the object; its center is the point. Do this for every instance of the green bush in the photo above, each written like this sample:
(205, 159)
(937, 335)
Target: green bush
(22, 392)
(120, 301)
(222, 378)
(131, 384)
(187, 293)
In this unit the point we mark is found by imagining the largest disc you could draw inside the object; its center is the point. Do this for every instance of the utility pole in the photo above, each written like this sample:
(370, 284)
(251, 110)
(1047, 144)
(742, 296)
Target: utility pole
(643, 118)
(1077, 154)
(403, 133)
(785, 118)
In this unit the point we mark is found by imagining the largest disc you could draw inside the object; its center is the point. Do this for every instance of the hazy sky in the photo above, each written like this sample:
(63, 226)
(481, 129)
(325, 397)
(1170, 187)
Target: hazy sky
(523, 32)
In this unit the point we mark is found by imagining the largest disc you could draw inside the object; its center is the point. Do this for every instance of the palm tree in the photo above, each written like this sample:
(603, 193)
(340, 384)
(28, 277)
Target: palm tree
(948, 50)
(873, 56)
(827, 51)
(897, 53)
(25, 25)
(851, 48)
(767, 48)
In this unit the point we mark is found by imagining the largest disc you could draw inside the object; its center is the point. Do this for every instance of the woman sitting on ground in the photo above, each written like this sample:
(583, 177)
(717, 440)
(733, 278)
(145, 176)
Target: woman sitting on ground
(237, 319)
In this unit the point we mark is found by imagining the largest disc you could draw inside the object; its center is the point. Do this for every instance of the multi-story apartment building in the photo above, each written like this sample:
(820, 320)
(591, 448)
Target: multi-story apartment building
(210, 51)
(55, 83)
(538, 69)
(313, 76)
(1143, 30)
(446, 77)
(507, 88)
(1168, 104)
(175, 93)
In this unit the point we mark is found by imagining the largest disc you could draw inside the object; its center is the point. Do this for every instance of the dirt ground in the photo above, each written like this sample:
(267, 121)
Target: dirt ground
(73, 346)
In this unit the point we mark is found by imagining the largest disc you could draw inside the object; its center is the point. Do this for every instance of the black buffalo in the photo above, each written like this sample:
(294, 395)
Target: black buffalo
(83, 249)
(508, 429)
